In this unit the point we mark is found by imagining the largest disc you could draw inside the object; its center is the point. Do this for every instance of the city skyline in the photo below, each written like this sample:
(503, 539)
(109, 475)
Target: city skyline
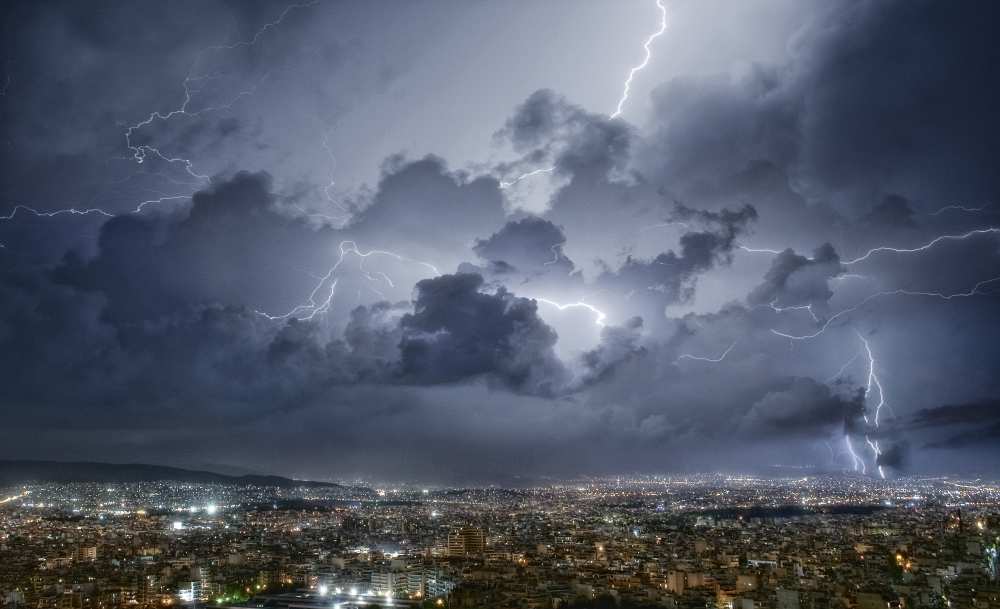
(486, 242)
(726, 542)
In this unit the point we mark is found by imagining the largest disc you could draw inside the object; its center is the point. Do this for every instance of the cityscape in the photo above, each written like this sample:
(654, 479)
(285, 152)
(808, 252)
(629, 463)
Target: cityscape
(684, 541)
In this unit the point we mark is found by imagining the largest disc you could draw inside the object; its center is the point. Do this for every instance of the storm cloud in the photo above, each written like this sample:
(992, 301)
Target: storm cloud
(342, 235)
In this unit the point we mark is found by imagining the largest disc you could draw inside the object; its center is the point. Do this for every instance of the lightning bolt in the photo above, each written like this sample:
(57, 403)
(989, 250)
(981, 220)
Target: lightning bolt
(507, 184)
(924, 247)
(645, 61)
(600, 316)
(846, 276)
(774, 307)
(714, 360)
(141, 152)
(59, 212)
(878, 453)
(971, 210)
(975, 290)
(327, 190)
(683, 225)
(759, 250)
(320, 298)
(873, 381)
(263, 30)
(626, 89)
(889, 249)
(844, 368)
(858, 461)
(72, 211)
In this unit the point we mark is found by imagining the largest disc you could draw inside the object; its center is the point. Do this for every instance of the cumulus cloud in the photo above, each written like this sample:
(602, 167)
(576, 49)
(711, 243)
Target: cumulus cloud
(618, 343)
(546, 125)
(530, 245)
(795, 280)
(802, 406)
(231, 247)
(958, 426)
(457, 331)
(670, 277)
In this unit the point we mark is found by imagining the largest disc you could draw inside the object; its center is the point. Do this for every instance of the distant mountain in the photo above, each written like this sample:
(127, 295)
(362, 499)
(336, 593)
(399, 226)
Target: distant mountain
(221, 468)
(13, 472)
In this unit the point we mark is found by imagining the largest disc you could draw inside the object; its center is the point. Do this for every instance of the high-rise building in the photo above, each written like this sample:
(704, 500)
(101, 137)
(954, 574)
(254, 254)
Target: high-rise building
(436, 584)
(389, 582)
(415, 582)
(467, 541)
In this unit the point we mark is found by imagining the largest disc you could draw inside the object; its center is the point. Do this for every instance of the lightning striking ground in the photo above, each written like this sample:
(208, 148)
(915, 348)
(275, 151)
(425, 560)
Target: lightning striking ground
(859, 463)
(873, 382)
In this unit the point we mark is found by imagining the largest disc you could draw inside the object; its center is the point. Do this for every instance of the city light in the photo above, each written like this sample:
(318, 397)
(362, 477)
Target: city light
(601, 524)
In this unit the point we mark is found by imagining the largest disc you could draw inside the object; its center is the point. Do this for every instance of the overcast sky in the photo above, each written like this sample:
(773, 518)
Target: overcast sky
(417, 240)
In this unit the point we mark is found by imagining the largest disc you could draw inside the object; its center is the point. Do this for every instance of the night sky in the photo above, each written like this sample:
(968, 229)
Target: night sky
(419, 240)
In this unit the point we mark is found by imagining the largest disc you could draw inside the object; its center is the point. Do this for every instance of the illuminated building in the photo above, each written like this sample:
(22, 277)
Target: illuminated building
(467, 541)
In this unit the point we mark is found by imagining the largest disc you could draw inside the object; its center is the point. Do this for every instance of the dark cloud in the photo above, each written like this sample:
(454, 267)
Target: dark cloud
(957, 414)
(232, 247)
(794, 280)
(531, 245)
(581, 144)
(923, 122)
(437, 215)
(895, 456)
(959, 426)
(893, 211)
(802, 407)
(670, 277)
(538, 119)
(985, 436)
(850, 131)
(457, 331)
(618, 343)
